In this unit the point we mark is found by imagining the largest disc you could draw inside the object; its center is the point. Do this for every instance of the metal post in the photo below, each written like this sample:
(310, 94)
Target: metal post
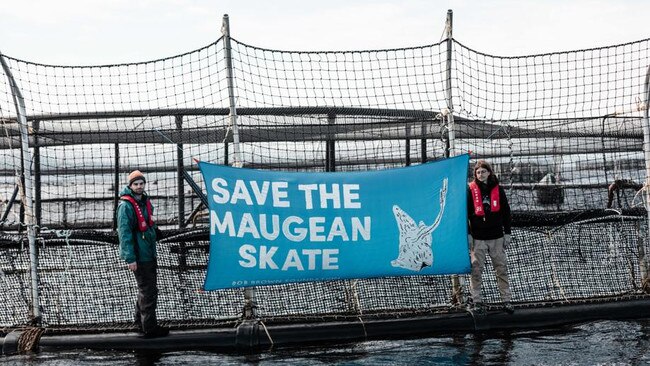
(226, 153)
(457, 288)
(116, 184)
(238, 162)
(21, 115)
(423, 142)
(250, 303)
(450, 104)
(180, 192)
(330, 151)
(179, 176)
(407, 147)
(21, 184)
(643, 264)
(646, 153)
(37, 175)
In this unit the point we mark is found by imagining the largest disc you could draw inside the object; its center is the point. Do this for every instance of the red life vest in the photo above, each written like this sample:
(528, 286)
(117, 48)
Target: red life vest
(142, 224)
(495, 202)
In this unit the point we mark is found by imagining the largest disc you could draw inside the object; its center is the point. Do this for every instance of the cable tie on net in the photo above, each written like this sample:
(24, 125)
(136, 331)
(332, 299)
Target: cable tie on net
(445, 29)
(363, 325)
(617, 211)
(640, 105)
(641, 191)
(502, 127)
(267, 332)
(66, 234)
(225, 136)
(141, 122)
(63, 234)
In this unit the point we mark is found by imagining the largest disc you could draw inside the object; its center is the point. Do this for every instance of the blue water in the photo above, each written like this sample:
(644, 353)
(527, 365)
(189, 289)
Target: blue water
(596, 343)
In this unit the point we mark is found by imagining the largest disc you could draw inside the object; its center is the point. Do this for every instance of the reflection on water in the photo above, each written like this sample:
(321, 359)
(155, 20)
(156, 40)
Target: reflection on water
(604, 343)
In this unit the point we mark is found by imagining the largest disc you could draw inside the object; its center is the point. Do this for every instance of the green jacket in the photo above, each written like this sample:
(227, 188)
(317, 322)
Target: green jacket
(135, 246)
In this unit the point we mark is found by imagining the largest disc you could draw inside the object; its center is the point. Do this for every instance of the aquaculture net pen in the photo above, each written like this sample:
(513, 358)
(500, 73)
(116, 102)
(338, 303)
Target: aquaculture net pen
(564, 131)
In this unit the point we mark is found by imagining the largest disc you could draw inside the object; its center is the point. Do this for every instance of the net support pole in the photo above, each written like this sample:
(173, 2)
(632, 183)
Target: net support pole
(21, 184)
(330, 145)
(21, 115)
(225, 29)
(448, 86)
(180, 186)
(646, 153)
(250, 302)
(407, 146)
(457, 288)
(423, 142)
(38, 212)
(116, 182)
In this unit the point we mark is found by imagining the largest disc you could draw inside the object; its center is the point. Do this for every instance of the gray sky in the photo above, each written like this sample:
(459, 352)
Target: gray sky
(86, 32)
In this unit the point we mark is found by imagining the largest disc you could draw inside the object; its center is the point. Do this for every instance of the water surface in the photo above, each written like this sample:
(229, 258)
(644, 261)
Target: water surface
(596, 343)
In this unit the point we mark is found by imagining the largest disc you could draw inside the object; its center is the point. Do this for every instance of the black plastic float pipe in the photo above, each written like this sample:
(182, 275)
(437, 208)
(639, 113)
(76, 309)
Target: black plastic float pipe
(258, 336)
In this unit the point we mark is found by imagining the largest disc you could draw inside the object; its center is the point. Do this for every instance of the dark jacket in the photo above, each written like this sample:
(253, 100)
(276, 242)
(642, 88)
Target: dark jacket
(494, 224)
(135, 246)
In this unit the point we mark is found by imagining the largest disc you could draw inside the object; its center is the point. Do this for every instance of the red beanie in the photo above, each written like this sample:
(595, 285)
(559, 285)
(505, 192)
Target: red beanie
(136, 175)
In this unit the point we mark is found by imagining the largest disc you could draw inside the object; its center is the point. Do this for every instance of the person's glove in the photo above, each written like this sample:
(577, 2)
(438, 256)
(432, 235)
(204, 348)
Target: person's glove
(506, 241)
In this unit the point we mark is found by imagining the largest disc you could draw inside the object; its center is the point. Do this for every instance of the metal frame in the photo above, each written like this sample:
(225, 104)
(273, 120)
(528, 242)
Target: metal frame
(30, 222)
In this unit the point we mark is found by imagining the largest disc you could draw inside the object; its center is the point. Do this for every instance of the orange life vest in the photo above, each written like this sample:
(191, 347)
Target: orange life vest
(495, 203)
(142, 224)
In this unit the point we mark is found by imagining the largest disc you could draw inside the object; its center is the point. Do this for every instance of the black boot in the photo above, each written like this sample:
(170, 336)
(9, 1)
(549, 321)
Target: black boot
(156, 332)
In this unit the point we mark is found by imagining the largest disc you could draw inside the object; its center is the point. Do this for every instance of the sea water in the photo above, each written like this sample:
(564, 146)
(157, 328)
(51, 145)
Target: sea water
(594, 343)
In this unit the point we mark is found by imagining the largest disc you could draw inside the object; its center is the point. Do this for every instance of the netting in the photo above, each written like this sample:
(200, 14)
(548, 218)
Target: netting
(570, 117)
(564, 131)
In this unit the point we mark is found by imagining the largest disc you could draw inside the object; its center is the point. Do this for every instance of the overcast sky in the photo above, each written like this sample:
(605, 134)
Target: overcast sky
(89, 32)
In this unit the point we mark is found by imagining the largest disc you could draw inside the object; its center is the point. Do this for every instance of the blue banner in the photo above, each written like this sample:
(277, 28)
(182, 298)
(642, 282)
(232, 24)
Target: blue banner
(270, 228)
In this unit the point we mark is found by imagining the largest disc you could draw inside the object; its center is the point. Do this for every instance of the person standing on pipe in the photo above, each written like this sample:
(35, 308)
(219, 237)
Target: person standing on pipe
(489, 233)
(137, 234)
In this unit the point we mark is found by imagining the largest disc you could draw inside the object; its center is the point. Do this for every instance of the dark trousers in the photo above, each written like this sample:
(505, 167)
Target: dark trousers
(145, 305)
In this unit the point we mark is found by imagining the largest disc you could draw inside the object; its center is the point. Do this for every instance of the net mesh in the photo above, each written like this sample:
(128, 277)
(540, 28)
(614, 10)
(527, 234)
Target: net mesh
(564, 131)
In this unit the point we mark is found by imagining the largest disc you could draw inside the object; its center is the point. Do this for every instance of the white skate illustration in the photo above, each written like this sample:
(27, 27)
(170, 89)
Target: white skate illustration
(415, 241)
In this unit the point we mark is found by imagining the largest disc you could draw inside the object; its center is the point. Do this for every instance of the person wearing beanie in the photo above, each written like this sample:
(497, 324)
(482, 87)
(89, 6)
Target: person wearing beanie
(136, 175)
(489, 233)
(137, 234)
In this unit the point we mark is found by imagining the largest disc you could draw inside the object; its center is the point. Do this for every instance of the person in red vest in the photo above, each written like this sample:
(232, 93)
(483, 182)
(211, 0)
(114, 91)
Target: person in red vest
(489, 233)
(137, 234)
